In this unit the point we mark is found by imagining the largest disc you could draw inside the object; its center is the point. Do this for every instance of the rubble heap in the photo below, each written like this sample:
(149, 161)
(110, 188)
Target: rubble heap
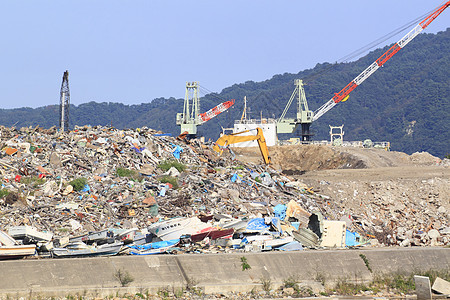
(93, 178)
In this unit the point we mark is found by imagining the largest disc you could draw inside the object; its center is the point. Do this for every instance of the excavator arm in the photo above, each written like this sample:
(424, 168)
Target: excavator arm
(234, 138)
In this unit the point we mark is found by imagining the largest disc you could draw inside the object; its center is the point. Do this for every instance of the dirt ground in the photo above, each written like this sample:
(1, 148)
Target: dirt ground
(315, 163)
(321, 157)
(405, 193)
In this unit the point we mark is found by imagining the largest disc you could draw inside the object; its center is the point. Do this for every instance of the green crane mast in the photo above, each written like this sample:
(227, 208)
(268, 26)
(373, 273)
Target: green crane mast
(188, 120)
(304, 116)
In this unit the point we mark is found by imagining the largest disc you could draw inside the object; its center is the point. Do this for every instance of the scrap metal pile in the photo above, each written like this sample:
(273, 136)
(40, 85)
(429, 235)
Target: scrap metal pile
(103, 191)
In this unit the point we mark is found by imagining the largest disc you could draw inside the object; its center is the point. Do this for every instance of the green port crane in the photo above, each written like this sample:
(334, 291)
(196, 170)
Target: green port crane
(304, 116)
(191, 117)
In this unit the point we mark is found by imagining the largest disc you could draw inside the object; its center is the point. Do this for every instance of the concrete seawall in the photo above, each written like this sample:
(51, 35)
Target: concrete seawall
(213, 272)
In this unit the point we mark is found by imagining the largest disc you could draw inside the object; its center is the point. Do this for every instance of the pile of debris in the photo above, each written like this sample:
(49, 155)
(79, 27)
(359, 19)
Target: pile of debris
(105, 191)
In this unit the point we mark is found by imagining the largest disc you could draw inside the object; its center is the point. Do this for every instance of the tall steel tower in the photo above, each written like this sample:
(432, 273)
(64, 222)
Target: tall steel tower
(191, 116)
(64, 103)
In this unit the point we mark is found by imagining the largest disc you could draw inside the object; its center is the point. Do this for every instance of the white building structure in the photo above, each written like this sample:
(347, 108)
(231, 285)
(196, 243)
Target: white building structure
(268, 126)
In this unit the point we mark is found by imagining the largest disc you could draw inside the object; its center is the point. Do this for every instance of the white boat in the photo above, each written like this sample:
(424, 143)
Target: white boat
(9, 249)
(6, 239)
(236, 224)
(22, 232)
(100, 235)
(79, 238)
(176, 227)
(94, 236)
(127, 236)
(278, 242)
(16, 251)
(77, 245)
(80, 250)
(259, 238)
(141, 238)
(153, 251)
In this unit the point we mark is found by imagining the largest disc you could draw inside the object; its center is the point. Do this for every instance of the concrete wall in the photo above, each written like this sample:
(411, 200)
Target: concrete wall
(213, 272)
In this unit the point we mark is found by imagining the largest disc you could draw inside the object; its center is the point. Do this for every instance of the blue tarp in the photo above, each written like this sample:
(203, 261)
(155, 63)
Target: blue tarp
(162, 192)
(280, 211)
(352, 238)
(138, 150)
(292, 246)
(86, 188)
(155, 245)
(257, 225)
(234, 177)
(296, 225)
(244, 241)
(177, 151)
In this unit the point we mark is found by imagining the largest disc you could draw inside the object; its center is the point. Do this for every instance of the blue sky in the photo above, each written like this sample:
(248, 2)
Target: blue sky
(135, 51)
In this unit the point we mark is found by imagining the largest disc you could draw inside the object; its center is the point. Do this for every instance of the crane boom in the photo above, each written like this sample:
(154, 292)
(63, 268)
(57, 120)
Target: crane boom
(338, 97)
(217, 110)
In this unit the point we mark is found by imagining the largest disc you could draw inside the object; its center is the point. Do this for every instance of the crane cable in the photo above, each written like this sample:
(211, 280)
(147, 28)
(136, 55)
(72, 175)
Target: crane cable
(206, 91)
(371, 45)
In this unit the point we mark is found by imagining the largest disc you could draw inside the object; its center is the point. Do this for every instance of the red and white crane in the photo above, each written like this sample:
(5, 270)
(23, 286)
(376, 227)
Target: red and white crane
(208, 115)
(191, 117)
(344, 93)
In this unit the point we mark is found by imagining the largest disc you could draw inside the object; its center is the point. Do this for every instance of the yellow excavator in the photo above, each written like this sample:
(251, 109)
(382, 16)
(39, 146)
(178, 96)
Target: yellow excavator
(233, 138)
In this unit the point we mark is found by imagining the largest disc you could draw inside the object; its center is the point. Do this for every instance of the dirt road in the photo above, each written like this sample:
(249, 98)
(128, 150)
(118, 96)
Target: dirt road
(385, 173)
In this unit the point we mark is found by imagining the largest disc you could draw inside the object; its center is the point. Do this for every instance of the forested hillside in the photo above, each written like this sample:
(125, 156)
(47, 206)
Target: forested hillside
(407, 102)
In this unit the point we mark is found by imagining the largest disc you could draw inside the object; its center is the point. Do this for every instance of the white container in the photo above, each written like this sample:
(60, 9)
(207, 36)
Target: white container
(333, 235)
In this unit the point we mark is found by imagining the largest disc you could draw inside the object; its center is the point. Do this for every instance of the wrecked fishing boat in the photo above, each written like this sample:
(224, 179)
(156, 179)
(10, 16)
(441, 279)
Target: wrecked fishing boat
(10, 249)
(212, 234)
(176, 227)
(29, 234)
(82, 250)
(16, 251)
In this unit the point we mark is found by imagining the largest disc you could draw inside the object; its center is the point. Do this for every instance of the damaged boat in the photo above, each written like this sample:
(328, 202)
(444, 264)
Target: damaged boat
(176, 227)
(10, 249)
(79, 249)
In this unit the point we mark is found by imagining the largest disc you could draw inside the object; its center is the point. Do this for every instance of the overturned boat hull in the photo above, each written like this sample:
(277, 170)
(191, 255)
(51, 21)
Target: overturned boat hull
(213, 234)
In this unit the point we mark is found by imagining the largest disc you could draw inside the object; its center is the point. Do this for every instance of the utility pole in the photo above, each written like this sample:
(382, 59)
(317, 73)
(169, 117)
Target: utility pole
(64, 103)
